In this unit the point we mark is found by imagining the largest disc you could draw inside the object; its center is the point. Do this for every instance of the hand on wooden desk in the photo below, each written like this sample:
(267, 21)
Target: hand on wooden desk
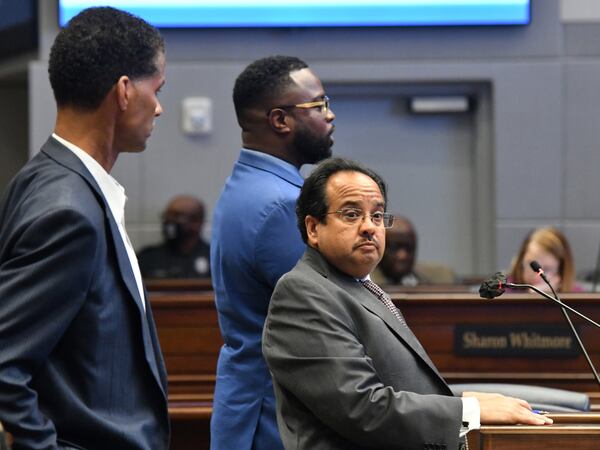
(500, 409)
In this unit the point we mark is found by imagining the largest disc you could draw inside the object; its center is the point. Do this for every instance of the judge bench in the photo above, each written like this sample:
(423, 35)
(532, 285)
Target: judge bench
(514, 339)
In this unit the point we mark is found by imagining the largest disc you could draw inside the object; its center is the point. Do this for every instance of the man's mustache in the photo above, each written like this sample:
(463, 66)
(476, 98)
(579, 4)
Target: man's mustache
(368, 240)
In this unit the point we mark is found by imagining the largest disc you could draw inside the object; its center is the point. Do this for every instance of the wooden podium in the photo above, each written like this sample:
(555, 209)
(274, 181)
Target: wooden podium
(577, 431)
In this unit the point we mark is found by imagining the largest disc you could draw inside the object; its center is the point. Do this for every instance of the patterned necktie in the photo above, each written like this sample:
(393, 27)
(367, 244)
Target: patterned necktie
(385, 299)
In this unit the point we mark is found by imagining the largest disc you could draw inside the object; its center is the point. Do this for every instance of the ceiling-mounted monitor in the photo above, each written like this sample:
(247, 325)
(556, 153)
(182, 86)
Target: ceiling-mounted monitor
(313, 13)
(18, 27)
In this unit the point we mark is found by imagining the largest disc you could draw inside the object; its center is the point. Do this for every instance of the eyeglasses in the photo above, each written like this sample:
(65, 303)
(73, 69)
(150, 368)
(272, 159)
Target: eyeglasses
(322, 104)
(354, 215)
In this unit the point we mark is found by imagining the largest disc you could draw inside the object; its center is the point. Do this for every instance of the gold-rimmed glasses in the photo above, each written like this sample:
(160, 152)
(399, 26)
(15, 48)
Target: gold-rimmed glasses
(323, 104)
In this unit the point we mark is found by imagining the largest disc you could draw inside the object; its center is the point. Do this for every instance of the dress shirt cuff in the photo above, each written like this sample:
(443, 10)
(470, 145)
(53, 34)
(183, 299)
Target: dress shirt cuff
(470, 415)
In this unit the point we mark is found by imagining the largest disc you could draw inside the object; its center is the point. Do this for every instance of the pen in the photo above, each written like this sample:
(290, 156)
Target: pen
(537, 411)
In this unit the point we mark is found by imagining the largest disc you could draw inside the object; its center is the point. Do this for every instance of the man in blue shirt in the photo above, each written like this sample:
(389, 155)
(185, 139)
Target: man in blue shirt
(286, 122)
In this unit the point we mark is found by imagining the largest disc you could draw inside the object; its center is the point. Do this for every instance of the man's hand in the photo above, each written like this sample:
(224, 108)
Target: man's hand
(499, 409)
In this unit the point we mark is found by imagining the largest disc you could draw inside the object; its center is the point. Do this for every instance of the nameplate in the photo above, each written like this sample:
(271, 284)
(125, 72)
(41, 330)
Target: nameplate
(533, 340)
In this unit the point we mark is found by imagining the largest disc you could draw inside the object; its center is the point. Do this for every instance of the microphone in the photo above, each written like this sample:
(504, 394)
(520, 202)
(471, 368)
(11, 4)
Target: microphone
(495, 286)
(537, 268)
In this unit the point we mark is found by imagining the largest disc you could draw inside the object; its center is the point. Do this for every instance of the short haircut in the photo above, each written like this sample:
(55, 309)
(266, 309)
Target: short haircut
(96, 48)
(262, 80)
(313, 196)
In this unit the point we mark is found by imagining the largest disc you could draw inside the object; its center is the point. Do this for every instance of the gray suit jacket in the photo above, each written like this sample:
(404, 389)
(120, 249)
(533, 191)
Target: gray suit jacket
(80, 363)
(347, 373)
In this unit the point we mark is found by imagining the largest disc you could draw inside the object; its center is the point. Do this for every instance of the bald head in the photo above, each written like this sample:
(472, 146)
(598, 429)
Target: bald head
(182, 223)
(401, 226)
(185, 207)
(400, 250)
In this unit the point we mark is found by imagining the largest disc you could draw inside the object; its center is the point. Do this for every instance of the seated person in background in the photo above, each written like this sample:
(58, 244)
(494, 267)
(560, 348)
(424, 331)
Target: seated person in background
(183, 254)
(550, 248)
(398, 264)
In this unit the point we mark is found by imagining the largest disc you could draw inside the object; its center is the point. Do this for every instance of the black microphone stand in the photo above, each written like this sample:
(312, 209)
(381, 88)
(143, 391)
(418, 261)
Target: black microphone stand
(564, 308)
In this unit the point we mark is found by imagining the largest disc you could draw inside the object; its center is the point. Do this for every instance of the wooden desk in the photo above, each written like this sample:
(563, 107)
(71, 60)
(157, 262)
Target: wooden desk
(569, 432)
(190, 339)
(434, 317)
(190, 425)
(178, 284)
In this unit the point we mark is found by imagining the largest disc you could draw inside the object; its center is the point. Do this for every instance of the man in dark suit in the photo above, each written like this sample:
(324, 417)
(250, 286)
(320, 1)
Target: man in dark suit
(80, 363)
(348, 372)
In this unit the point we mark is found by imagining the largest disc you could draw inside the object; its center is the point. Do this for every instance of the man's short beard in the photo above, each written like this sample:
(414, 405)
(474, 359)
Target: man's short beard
(311, 148)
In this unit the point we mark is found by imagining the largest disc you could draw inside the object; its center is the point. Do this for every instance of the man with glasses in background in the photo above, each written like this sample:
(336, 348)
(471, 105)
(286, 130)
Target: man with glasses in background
(347, 370)
(286, 122)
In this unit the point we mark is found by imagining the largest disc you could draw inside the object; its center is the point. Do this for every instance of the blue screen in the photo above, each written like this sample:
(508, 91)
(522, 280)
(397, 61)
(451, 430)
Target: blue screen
(312, 13)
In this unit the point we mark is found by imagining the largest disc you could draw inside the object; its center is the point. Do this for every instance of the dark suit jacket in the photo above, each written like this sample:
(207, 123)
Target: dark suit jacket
(80, 363)
(347, 373)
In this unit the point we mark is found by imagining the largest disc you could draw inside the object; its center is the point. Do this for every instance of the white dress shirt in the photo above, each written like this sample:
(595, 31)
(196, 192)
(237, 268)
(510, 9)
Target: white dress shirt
(116, 198)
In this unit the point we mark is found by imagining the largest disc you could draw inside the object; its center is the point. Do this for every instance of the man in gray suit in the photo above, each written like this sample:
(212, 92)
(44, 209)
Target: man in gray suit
(348, 372)
(80, 363)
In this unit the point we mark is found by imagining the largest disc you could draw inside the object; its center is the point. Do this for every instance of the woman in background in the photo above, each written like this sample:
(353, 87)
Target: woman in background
(551, 250)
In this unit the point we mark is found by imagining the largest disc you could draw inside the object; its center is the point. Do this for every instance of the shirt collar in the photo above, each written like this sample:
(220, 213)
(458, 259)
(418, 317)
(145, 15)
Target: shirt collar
(270, 163)
(273, 159)
(111, 189)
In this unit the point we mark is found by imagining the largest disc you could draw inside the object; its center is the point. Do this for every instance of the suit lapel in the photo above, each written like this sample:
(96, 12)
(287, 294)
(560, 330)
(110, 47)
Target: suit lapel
(372, 304)
(402, 331)
(129, 279)
(63, 156)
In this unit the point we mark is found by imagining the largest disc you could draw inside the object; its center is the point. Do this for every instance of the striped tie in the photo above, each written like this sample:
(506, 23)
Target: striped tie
(387, 301)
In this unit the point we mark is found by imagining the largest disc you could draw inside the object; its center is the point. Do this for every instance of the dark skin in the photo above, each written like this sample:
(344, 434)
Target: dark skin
(401, 246)
(189, 212)
(271, 130)
(123, 121)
